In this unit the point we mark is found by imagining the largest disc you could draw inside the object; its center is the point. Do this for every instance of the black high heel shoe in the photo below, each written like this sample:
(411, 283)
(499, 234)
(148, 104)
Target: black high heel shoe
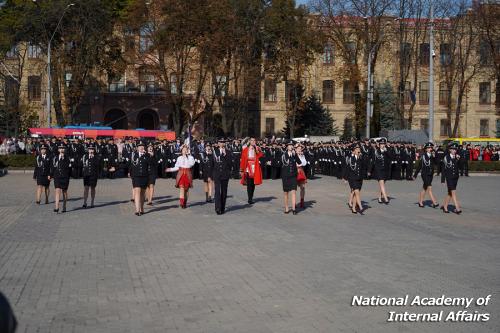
(37, 202)
(137, 214)
(354, 211)
(445, 210)
(458, 212)
(435, 205)
(380, 201)
(420, 205)
(349, 205)
(56, 210)
(386, 201)
(84, 206)
(294, 212)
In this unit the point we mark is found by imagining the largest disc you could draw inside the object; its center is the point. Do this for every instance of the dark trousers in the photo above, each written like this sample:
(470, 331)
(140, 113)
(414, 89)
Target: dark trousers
(250, 187)
(220, 194)
(275, 172)
(464, 168)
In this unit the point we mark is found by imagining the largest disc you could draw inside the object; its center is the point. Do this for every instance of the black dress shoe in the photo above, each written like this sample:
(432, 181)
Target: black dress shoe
(91, 206)
(84, 206)
(64, 210)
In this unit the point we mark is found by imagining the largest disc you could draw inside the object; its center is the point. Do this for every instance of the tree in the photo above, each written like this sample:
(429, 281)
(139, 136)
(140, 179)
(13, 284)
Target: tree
(387, 106)
(291, 43)
(315, 119)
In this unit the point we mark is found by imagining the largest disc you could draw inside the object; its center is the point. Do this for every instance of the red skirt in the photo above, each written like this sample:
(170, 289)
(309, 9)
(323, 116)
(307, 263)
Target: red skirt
(301, 176)
(184, 178)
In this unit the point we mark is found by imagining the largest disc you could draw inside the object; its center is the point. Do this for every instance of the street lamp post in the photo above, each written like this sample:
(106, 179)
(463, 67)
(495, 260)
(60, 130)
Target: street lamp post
(49, 78)
(431, 75)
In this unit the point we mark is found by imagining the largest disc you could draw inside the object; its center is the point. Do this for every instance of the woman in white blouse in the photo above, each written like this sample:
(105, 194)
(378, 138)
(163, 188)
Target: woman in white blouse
(301, 175)
(184, 179)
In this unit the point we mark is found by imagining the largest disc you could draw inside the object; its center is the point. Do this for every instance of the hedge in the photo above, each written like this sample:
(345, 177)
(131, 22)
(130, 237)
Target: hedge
(17, 161)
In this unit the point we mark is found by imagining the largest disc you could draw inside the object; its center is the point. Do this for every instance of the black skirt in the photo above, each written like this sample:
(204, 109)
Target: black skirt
(152, 180)
(380, 175)
(452, 184)
(42, 181)
(90, 181)
(289, 184)
(141, 182)
(355, 184)
(62, 183)
(427, 179)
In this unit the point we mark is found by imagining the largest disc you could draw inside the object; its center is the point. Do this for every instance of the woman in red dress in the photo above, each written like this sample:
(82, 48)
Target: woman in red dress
(184, 179)
(301, 175)
(250, 171)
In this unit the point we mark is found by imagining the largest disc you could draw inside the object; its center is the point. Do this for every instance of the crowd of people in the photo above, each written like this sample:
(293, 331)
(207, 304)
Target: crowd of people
(249, 160)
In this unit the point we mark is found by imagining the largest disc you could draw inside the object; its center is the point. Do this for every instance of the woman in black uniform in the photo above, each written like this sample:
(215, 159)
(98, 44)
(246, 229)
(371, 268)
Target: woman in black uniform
(206, 159)
(289, 163)
(426, 164)
(153, 173)
(450, 173)
(91, 164)
(354, 172)
(381, 169)
(61, 171)
(42, 174)
(139, 172)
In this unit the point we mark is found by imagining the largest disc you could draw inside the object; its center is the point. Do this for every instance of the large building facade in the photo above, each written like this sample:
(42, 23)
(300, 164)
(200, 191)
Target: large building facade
(137, 99)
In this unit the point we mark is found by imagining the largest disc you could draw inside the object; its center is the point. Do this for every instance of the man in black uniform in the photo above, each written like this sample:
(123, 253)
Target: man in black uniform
(464, 160)
(90, 163)
(439, 159)
(76, 152)
(111, 158)
(222, 164)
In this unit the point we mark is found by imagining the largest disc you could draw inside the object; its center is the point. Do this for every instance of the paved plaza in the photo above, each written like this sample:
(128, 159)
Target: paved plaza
(253, 269)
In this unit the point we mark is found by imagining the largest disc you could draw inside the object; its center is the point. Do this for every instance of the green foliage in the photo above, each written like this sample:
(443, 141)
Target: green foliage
(315, 119)
(387, 106)
(17, 161)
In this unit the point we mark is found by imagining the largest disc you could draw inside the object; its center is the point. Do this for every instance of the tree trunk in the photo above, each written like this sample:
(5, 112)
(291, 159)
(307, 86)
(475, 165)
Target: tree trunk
(56, 98)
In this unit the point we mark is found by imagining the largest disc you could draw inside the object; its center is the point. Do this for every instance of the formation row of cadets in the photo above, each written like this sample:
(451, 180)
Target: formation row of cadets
(358, 165)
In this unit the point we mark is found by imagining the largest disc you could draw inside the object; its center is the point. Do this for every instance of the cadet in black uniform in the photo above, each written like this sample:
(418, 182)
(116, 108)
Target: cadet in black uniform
(450, 173)
(153, 173)
(354, 173)
(439, 159)
(222, 164)
(111, 158)
(207, 163)
(90, 162)
(60, 171)
(42, 174)
(289, 161)
(427, 162)
(381, 169)
(464, 153)
(139, 172)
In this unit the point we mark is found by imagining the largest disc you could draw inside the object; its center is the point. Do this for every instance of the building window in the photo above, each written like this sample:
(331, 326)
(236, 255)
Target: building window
(34, 51)
(444, 94)
(269, 126)
(145, 41)
(12, 53)
(270, 90)
(407, 93)
(423, 93)
(147, 81)
(484, 127)
(219, 85)
(328, 54)
(424, 54)
(445, 54)
(348, 93)
(11, 92)
(424, 125)
(484, 93)
(173, 84)
(443, 127)
(117, 83)
(292, 91)
(34, 88)
(405, 53)
(484, 53)
(328, 91)
(351, 52)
